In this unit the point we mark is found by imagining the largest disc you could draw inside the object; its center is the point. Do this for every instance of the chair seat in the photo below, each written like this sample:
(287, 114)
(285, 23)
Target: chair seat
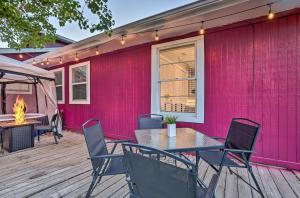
(43, 128)
(215, 158)
(115, 167)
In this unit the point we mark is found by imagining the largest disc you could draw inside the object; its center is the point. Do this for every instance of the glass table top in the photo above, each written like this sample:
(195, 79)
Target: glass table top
(186, 139)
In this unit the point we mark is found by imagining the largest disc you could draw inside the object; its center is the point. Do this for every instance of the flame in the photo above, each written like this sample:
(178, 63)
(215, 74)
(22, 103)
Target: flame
(19, 110)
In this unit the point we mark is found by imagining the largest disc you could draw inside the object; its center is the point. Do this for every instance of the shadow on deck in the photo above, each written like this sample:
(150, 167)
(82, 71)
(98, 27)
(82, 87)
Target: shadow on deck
(62, 170)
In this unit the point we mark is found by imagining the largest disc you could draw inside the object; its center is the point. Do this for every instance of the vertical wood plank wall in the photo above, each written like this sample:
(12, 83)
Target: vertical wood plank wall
(251, 71)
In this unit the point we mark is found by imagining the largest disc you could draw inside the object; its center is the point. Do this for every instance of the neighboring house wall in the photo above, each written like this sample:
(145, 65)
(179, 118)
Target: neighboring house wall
(251, 71)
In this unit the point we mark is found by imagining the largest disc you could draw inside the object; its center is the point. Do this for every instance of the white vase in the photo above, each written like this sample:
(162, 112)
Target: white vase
(171, 130)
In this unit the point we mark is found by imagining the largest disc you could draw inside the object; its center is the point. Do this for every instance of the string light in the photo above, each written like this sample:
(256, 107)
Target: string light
(34, 62)
(47, 62)
(271, 14)
(20, 55)
(42, 63)
(156, 35)
(60, 60)
(202, 31)
(97, 51)
(76, 57)
(122, 40)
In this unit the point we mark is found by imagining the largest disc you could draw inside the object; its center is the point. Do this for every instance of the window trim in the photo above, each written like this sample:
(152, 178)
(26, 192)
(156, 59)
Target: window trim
(88, 82)
(62, 69)
(197, 117)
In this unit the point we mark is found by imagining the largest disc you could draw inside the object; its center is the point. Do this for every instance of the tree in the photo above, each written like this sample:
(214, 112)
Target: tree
(26, 22)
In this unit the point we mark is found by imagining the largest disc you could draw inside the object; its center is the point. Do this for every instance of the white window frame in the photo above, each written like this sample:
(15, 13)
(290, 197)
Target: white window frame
(197, 117)
(62, 69)
(88, 82)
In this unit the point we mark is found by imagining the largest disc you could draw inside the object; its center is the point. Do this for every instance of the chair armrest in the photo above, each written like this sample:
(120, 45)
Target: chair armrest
(106, 156)
(218, 138)
(117, 141)
(237, 150)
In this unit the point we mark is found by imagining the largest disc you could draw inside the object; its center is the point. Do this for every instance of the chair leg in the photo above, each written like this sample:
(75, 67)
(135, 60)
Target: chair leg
(1, 139)
(55, 138)
(92, 185)
(255, 181)
(38, 134)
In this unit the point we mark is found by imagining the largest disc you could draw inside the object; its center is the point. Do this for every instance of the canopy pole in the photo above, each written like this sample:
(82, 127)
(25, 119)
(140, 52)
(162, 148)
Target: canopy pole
(36, 96)
(3, 98)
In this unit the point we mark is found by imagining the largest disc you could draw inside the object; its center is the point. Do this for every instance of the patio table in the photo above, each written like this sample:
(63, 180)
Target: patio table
(186, 140)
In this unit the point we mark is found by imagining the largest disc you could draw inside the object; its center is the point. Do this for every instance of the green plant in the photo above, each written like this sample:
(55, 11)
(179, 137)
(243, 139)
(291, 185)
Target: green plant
(170, 119)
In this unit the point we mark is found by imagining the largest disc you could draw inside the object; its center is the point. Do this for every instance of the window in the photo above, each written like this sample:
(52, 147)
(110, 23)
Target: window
(60, 84)
(79, 75)
(178, 79)
(18, 88)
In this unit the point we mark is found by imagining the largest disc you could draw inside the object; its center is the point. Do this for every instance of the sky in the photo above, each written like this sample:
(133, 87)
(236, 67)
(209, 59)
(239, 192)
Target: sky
(123, 11)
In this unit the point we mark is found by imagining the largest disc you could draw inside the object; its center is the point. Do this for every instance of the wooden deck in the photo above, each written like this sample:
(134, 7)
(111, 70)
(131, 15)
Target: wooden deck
(62, 170)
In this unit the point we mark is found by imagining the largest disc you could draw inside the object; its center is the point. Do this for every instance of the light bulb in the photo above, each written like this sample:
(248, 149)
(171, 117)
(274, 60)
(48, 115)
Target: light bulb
(42, 63)
(20, 55)
(97, 51)
(47, 62)
(76, 58)
(271, 14)
(60, 60)
(34, 62)
(202, 30)
(156, 35)
(122, 40)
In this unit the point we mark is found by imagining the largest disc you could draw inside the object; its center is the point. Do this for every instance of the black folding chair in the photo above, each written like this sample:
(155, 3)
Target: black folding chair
(103, 162)
(238, 148)
(152, 177)
(52, 127)
(150, 121)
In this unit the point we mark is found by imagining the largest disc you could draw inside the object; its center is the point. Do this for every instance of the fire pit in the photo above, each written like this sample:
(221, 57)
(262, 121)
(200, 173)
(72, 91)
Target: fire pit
(18, 133)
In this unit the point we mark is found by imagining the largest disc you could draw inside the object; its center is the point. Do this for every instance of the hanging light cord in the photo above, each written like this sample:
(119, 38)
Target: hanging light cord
(193, 23)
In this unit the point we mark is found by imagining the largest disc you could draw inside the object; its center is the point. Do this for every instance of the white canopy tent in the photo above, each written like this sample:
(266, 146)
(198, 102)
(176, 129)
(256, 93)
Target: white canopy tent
(41, 100)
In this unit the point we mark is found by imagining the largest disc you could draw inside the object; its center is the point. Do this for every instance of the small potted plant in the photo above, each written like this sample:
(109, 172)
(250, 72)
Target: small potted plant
(171, 123)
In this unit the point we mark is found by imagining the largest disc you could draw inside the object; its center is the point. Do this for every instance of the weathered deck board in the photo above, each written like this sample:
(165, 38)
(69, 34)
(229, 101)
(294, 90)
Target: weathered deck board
(62, 170)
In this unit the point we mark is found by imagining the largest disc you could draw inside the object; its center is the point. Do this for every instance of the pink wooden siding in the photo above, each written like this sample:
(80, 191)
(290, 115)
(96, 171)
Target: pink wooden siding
(251, 71)
(120, 90)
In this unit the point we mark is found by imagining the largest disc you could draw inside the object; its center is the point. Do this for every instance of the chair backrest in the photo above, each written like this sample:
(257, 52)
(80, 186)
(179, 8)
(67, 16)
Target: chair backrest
(151, 177)
(242, 135)
(95, 141)
(150, 121)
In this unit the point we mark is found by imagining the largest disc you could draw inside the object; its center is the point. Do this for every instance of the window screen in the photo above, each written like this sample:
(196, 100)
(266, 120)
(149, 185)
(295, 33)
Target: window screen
(178, 79)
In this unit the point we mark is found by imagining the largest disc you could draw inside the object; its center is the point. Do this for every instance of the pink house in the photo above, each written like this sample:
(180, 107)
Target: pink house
(245, 65)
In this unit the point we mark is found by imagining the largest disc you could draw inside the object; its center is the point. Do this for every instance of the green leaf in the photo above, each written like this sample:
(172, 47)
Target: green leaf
(26, 23)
